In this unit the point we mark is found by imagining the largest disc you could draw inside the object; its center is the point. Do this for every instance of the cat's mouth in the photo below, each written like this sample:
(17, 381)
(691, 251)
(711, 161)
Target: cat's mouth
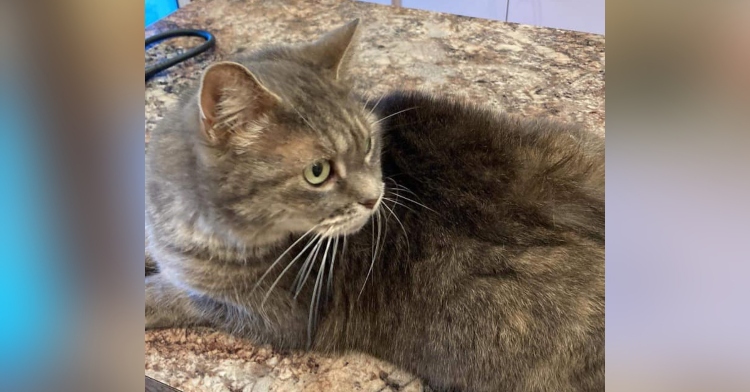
(351, 222)
(343, 225)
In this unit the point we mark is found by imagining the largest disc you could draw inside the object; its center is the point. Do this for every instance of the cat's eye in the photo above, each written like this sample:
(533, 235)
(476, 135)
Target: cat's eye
(318, 172)
(368, 145)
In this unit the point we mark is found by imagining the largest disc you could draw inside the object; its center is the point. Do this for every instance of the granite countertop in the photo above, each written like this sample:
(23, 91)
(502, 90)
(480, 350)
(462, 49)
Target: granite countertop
(516, 68)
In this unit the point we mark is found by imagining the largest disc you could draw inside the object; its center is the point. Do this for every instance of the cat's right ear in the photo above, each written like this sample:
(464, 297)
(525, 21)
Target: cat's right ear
(333, 51)
(230, 96)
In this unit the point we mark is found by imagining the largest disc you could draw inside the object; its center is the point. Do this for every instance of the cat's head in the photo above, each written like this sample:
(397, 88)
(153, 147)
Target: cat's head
(284, 145)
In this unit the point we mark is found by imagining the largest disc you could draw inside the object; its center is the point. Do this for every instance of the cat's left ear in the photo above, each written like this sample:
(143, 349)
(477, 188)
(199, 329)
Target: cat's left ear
(230, 97)
(333, 51)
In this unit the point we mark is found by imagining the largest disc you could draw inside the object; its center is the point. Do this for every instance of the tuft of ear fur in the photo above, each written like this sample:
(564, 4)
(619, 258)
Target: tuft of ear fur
(231, 99)
(333, 51)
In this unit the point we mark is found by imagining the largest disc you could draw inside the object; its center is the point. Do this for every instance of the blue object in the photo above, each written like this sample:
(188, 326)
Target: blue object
(157, 9)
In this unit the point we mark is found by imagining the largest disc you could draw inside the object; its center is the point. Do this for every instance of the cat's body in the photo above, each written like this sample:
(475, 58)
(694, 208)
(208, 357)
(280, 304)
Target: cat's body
(499, 285)
(480, 267)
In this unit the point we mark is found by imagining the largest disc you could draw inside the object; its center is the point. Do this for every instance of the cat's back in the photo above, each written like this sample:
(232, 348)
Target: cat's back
(505, 257)
(503, 178)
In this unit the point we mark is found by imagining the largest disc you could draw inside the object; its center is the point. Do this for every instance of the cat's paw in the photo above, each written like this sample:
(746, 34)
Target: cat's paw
(151, 314)
(168, 306)
(151, 322)
(155, 321)
(154, 316)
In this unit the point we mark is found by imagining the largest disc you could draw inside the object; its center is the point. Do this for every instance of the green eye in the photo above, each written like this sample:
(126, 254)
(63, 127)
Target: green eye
(318, 172)
(368, 145)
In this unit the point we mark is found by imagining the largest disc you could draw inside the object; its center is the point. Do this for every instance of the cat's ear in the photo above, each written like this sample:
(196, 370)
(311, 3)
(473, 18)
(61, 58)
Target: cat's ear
(230, 96)
(333, 51)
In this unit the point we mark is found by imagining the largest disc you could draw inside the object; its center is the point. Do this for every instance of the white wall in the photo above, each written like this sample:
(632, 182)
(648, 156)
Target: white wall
(488, 9)
(579, 15)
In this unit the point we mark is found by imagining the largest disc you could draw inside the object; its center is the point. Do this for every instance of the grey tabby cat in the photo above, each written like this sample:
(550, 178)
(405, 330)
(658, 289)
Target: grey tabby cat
(463, 245)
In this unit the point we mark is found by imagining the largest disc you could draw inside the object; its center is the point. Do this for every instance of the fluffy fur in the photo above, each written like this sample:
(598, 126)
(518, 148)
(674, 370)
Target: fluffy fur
(461, 244)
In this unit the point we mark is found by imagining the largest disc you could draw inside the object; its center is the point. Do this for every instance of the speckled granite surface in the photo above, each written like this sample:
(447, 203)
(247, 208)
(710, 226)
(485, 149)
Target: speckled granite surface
(519, 69)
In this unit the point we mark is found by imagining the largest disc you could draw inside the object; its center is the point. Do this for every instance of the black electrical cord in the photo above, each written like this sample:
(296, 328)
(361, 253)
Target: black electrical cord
(210, 43)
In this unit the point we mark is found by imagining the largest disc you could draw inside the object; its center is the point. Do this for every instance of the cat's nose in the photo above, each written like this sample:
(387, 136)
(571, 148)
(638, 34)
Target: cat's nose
(370, 203)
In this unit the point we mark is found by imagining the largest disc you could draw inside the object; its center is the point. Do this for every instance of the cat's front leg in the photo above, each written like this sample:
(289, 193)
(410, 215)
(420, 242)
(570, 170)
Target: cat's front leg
(279, 322)
(169, 306)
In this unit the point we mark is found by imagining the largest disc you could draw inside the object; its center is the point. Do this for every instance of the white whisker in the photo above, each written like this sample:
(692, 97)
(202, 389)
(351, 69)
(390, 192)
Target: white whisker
(399, 203)
(376, 245)
(333, 260)
(372, 240)
(406, 236)
(282, 255)
(384, 223)
(366, 102)
(400, 187)
(391, 115)
(376, 105)
(314, 301)
(379, 249)
(306, 266)
(286, 269)
(314, 253)
(415, 202)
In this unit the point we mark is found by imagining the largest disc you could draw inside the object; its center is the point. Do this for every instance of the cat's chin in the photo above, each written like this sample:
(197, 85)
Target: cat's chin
(346, 228)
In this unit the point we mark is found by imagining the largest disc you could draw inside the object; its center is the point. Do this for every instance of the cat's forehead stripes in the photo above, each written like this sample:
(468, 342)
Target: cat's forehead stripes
(353, 119)
(340, 169)
(344, 134)
(365, 131)
(348, 118)
(339, 140)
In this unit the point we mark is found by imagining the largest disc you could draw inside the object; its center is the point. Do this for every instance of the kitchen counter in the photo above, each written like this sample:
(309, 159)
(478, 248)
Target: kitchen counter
(519, 69)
